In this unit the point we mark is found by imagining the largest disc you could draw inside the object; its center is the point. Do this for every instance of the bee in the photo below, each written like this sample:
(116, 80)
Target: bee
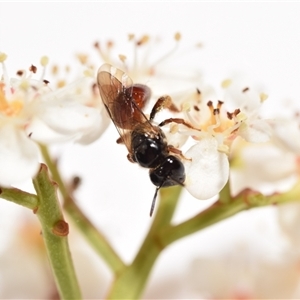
(146, 143)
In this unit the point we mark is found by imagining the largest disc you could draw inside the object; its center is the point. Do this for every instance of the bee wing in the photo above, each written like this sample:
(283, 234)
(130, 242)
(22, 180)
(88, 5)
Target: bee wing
(116, 90)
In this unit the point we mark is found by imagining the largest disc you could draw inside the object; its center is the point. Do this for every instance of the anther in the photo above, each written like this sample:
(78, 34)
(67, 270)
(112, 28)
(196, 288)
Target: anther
(220, 103)
(122, 58)
(3, 57)
(177, 36)
(33, 69)
(143, 40)
(236, 111)
(20, 72)
(196, 108)
(216, 111)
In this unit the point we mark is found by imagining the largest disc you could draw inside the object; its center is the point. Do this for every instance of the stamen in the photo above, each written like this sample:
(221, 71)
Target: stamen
(220, 103)
(229, 115)
(236, 112)
(130, 37)
(3, 102)
(88, 73)
(143, 40)
(174, 128)
(102, 54)
(226, 83)
(263, 97)
(60, 83)
(20, 73)
(55, 70)
(67, 69)
(109, 45)
(122, 58)
(210, 105)
(233, 114)
(83, 58)
(216, 111)
(24, 85)
(33, 69)
(240, 117)
(3, 57)
(44, 62)
(216, 114)
(177, 38)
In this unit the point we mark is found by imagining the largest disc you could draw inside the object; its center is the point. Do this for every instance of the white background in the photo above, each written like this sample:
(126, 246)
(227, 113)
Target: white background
(261, 40)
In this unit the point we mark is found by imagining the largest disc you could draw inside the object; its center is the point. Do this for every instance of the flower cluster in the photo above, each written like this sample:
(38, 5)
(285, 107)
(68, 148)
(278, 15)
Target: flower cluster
(216, 127)
(32, 113)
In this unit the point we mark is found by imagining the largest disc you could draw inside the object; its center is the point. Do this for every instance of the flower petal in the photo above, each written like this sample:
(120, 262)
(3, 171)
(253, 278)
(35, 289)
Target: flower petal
(286, 133)
(67, 116)
(42, 133)
(208, 171)
(257, 131)
(96, 130)
(262, 167)
(18, 156)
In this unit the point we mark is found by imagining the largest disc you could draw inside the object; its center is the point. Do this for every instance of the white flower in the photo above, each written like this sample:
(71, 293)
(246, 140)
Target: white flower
(286, 131)
(24, 262)
(244, 272)
(214, 130)
(266, 168)
(149, 60)
(31, 112)
(289, 222)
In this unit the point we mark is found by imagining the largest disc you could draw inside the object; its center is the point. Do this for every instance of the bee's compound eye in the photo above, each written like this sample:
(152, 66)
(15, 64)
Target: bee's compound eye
(169, 172)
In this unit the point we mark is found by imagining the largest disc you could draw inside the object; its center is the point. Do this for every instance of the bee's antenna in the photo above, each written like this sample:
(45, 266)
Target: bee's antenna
(155, 196)
(154, 200)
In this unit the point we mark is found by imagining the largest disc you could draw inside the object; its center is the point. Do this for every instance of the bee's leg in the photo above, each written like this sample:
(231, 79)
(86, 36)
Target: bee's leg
(120, 141)
(161, 103)
(178, 121)
(177, 152)
(130, 158)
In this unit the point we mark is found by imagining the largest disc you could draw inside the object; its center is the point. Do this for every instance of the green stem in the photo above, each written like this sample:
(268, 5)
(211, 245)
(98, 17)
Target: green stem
(225, 196)
(55, 231)
(219, 211)
(96, 239)
(131, 282)
(210, 216)
(54, 171)
(19, 197)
